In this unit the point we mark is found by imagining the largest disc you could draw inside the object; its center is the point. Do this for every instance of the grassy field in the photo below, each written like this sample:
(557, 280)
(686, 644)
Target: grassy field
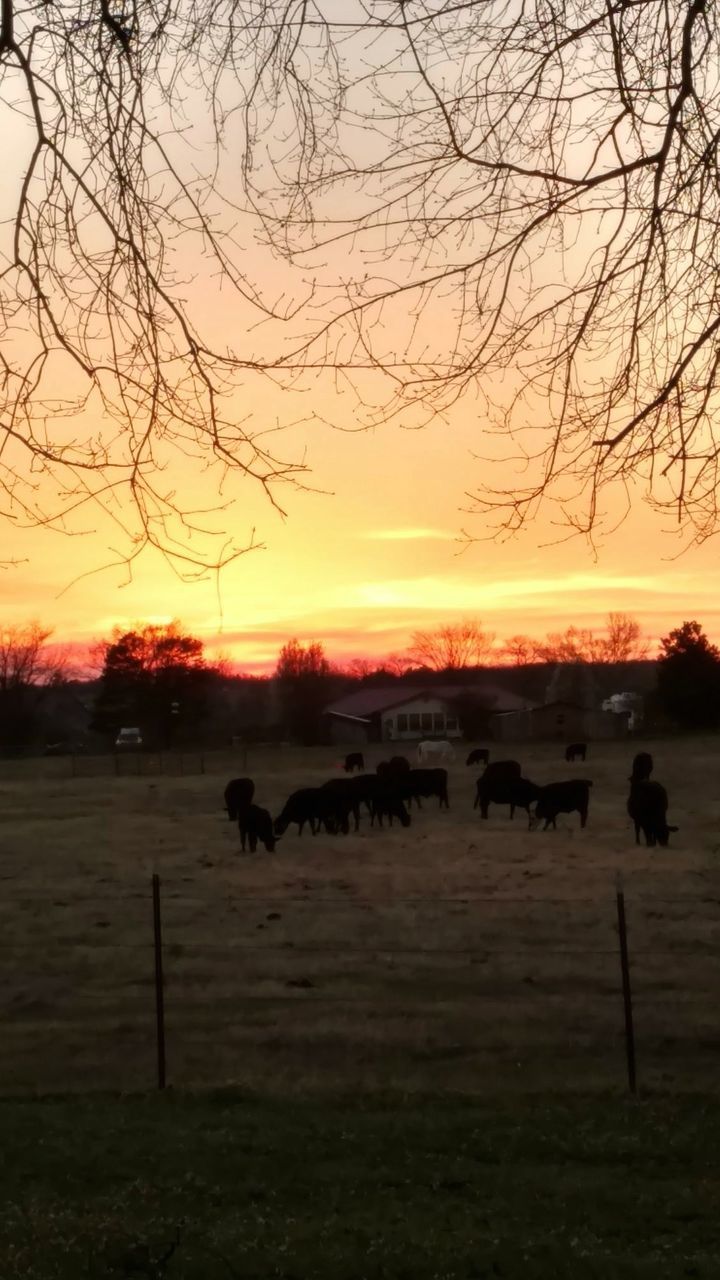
(456, 955)
(219, 1186)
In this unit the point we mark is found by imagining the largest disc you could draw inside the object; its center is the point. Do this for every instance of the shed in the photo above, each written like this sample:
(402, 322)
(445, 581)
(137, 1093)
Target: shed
(559, 721)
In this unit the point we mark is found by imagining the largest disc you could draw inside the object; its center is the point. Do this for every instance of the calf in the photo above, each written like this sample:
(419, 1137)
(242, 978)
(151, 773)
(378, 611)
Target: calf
(256, 824)
(647, 806)
(494, 785)
(354, 760)
(238, 795)
(562, 797)
(479, 755)
(576, 751)
(642, 767)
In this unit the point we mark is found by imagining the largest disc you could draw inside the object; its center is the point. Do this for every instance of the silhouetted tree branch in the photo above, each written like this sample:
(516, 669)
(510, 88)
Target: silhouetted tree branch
(530, 201)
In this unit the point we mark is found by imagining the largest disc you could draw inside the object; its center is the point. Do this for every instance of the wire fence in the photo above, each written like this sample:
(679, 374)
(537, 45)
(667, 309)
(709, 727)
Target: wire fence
(151, 985)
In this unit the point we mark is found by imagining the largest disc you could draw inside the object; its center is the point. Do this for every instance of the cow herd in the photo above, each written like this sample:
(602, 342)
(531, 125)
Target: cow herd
(390, 792)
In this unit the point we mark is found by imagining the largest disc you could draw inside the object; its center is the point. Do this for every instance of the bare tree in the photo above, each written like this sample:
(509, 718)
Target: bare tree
(520, 650)
(449, 648)
(25, 658)
(121, 264)
(28, 667)
(459, 188)
(530, 191)
(623, 640)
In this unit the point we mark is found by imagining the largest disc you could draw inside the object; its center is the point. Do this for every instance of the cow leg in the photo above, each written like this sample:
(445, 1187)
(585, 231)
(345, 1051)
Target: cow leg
(583, 817)
(253, 842)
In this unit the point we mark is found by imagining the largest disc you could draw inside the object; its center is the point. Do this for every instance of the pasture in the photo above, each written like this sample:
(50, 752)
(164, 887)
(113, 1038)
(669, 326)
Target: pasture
(456, 955)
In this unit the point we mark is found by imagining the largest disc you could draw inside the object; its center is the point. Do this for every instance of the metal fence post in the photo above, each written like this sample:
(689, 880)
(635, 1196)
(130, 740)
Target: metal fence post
(159, 988)
(627, 992)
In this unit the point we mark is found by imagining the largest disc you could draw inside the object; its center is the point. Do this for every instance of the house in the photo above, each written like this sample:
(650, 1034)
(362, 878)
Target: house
(406, 713)
(562, 721)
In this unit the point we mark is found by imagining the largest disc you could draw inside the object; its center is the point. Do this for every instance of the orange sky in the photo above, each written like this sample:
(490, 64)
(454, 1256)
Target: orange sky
(363, 565)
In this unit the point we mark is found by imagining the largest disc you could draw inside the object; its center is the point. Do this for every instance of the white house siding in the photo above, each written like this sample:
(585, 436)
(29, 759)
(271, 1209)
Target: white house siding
(420, 718)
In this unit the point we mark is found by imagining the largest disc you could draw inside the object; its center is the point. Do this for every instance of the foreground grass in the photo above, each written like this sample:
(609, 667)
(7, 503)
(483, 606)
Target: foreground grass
(192, 1187)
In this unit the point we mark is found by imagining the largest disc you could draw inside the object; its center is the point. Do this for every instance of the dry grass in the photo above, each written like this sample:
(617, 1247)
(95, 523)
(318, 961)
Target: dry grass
(456, 954)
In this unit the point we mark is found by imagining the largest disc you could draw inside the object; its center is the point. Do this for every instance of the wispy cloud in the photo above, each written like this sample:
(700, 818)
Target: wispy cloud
(409, 535)
(439, 593)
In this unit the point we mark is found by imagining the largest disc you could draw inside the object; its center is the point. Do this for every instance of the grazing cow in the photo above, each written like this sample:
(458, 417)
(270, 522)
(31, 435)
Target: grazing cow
(647, 806)
(425, 783)
(238, 795)
(313, 805)
(479, 755)
(642, 767)
(562, 797)
(256, 824)
(346, 796)
(494, 785)
(387, 803)
(354, 760)
(439, 750)
(576, 751)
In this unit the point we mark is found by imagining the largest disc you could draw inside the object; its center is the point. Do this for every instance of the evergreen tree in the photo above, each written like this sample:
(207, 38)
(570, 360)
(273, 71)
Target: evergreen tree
(689, 677)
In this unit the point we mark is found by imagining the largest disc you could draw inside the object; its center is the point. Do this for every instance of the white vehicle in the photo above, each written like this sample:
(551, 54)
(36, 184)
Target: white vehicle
(129, 738)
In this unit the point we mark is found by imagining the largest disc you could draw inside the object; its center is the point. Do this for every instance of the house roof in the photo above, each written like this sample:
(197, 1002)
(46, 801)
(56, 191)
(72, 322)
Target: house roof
(373, 701)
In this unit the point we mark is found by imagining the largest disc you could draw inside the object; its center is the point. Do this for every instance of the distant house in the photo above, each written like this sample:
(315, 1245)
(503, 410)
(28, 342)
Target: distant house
(562, 721)
(406, 714)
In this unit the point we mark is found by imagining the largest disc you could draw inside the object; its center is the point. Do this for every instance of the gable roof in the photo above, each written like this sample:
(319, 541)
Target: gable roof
(373, 701)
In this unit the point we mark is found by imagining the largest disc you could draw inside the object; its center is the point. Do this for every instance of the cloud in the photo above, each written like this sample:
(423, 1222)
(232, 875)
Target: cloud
(458, 594)
(409, 535)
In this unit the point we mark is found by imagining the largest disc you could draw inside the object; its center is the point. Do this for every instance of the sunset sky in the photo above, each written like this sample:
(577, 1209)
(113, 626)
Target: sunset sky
(374, 549)
(362, 564)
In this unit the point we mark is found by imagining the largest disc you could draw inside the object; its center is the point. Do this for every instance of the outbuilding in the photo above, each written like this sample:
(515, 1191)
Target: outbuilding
(561, 721)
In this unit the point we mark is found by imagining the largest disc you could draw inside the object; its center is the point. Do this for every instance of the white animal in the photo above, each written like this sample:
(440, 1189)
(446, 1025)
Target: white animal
(440, 750)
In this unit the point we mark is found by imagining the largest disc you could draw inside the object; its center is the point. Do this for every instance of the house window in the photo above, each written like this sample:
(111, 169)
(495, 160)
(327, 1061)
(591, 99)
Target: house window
(402, 724)
(389, 722)
(438, 722)
(450, 724)
(414, 720)
(426, 722)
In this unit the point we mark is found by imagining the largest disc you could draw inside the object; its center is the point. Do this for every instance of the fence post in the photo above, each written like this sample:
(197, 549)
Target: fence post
(159, 990)
(627, 992)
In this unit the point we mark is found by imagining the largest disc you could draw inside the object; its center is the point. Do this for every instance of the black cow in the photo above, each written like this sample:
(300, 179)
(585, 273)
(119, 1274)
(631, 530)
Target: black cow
(354, 760)
(256, 824)
(479, 755)
(494, 785)
(424, 782)
(238, 795)
(647, 806)
(563, 797)
(522, 794)
(576, 751)
(346, 797)
(642, 767)
(313, 805)
(386, 802)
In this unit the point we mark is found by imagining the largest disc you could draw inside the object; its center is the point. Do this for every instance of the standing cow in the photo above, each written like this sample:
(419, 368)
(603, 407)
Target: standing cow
(237, 796)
